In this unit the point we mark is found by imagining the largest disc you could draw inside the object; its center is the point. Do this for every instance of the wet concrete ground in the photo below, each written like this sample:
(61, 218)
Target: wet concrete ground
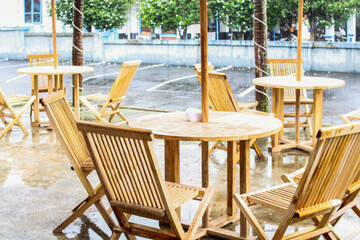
(38, 189)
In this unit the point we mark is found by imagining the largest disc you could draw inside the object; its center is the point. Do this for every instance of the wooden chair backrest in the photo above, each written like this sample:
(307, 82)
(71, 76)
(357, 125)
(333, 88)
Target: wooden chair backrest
(63, 122)
(41, 60)
(197, 68)
(285, 67)
(333, 166)
(126, 164)
(220, 95)
(123, 80)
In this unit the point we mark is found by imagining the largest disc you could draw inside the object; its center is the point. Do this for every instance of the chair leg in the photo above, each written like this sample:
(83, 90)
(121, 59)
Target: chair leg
(258, 151)
(244, 209)
(308, 119)
(199, 213)
(78, 212)
(93, 110)
(115, 235)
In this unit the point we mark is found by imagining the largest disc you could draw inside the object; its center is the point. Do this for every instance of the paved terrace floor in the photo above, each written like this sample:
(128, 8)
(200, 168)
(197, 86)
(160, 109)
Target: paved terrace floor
(38, 189)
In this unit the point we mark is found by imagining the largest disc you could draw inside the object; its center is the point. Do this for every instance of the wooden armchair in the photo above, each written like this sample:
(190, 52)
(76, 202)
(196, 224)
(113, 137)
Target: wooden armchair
(332, 173)
(286, 67)
(41, 60)
(125, 161)
(348, 117)
(6, 111)
(241, 105)
(63, 122)
(116, 95)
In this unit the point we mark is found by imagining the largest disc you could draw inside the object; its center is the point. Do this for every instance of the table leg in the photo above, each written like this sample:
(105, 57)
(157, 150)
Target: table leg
(205, 177)
(278, 110)
(76, 96)
(297, 116)
(231, 177)
(317, 113)
(244, 182)
(36, 102)
(61, 82)
(172, 163)
(50, 84)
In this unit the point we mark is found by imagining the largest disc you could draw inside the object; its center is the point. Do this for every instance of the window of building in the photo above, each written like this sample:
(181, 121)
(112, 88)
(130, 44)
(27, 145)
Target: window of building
(32, 11)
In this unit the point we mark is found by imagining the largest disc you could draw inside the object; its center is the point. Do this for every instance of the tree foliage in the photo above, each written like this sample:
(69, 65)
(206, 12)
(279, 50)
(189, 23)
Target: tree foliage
(322, 13)
(238, 14)
(102, 14)
(170, 15)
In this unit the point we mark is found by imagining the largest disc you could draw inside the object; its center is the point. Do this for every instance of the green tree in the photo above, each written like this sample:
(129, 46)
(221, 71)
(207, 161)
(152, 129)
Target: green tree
(238, 14)
(322, 13)
(102, 14)
(170, 15)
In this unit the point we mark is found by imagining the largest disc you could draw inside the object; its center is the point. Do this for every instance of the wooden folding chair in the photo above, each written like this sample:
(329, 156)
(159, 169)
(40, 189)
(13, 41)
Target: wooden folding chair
(222, 99)
(348, 117)
(63, 122)
(6, 111)
(116, 95)
(287, 67)
(332, 173)
(241, 105)
(42, 60)
(125, 161)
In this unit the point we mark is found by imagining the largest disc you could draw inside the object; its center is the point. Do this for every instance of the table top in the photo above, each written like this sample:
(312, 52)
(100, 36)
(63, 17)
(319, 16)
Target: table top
(222, 126)
(46, 70)
(305, 83)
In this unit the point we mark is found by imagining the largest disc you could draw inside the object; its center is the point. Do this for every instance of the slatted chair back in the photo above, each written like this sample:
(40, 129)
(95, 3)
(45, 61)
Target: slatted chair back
(41, 60)
(63, 122)
(128, 170)
(286, 67)
(220, 95)
(333, 166)
(197, 68)
(123, 80)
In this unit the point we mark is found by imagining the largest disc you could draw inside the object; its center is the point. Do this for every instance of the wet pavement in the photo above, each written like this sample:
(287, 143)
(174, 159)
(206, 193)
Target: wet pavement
(38, 190)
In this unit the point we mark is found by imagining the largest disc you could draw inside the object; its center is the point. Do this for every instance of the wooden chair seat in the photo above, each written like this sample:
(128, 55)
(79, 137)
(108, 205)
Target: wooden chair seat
(246, 105)
(7, 112)
(331, 179)
(277, 198)
(303, 101)
(114, 99)
(180, 194)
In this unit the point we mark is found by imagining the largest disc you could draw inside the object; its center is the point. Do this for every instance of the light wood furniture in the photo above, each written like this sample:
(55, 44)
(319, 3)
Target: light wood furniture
(41, 60)
(116, 95)
(333, 166)
(279, 84)
(64, 124)
(222, 99)
(50, 71)
(125, 161)
(222, 126)
(240, 105)
(7, 112)
(287, 67)
(348, 117)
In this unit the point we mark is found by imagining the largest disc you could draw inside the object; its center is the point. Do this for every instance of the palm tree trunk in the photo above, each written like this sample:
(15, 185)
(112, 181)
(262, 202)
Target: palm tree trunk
(77, 50)
(260, 52)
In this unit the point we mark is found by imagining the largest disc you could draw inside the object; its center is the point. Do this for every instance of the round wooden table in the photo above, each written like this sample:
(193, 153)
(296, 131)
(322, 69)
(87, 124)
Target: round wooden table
(222, 126)
(279, 84)
(58, 83)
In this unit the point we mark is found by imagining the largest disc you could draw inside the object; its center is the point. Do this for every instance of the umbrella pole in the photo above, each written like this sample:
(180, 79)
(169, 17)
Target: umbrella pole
(298, 72)
(54, 33)
(204, 61)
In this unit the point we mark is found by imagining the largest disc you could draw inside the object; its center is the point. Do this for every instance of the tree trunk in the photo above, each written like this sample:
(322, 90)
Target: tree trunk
(260, 54)
(77, 50)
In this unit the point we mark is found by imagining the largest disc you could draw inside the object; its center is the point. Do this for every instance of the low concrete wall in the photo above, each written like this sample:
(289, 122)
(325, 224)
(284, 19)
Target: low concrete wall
(318, 56)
